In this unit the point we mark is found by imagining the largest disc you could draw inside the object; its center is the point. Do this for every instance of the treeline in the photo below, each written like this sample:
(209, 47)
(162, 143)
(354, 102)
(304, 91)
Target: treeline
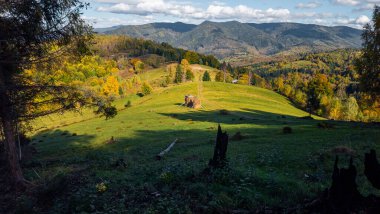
(115, 66)
(326, 84)
(118, 45)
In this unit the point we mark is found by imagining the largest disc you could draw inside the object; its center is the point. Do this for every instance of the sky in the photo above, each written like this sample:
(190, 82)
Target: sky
(107, 13)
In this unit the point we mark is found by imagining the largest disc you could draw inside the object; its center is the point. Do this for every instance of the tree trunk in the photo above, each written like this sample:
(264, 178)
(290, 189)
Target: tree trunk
(11, 151)
(8, 125)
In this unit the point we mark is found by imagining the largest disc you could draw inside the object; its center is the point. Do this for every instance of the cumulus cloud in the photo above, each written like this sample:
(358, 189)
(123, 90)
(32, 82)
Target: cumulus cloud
(346, 2)
(362, 20)
(145, 11)
(215, 10)
(353, 22)
(308, 5)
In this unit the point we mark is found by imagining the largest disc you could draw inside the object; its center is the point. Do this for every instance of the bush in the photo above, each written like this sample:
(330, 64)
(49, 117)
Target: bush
(287, 130)
(324, 125)
(166, 81)
(146, 89)
(219, 77)
(224, 112)
(128, 104)
(189, 75)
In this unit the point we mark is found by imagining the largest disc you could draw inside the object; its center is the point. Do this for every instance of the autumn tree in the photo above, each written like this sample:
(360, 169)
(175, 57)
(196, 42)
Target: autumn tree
(29, 30)
(146, 88)
(192, 57)
(111, 86)
(368, 65)
(219, 77)
(317, 87)
(351, 109)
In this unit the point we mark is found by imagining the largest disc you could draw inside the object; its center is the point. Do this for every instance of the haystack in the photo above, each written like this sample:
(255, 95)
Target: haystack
(192, 102)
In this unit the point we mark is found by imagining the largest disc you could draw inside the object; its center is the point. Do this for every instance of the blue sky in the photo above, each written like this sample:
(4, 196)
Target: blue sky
(107, 13)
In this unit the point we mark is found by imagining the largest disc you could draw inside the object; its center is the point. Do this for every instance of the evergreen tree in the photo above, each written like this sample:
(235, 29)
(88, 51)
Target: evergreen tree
(28, 29)
(368, 65)
(206, 76)
(189, 75)
(178, 74)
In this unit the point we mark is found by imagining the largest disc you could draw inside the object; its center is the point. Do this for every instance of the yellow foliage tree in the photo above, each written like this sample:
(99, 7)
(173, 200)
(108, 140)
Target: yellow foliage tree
(111, 86)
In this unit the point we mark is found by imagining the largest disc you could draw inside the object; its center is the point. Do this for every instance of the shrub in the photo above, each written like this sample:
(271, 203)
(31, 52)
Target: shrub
(101, 187)
(238, 136)
(219, 77)
(128, 104)
(287, 130)
(224, 112)
(189, 75)
(146, 89)
(324, 125)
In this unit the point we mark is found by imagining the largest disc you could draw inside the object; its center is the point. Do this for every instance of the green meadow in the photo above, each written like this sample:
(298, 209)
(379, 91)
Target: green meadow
(266, 168)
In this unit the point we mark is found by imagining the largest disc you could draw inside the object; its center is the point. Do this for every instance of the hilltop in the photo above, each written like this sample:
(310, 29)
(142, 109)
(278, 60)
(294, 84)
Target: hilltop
(238, 41)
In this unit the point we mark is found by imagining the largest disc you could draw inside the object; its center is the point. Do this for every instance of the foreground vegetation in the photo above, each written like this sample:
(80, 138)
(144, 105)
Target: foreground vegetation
(84, 170)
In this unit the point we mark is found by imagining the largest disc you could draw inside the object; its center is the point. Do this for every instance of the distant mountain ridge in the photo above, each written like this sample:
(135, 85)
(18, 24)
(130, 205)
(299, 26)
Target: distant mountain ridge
(234, 39)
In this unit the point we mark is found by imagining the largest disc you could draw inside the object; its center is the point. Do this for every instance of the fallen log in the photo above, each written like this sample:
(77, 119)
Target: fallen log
(161, 155)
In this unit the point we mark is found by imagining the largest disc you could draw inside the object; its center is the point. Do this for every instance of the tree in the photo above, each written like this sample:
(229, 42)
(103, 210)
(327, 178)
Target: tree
(178, 74)
(351, 109)
(219, 77)
(223, 67)
(278, 83)
(317, 87)
(368, 65)
(206, 76)
(36, 33)
(192, 57)
(111, 86)
(185, 63)
(189, 75)
(335, 110)
(146, 88)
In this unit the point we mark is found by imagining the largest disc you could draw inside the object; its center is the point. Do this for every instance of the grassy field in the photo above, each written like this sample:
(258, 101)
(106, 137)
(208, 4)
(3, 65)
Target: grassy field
(266, 168)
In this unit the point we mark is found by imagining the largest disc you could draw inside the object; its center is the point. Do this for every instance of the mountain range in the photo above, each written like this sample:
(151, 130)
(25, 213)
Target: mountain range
(244, 41)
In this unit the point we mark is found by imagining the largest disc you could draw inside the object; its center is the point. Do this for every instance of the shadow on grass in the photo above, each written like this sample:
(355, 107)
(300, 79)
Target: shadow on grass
(293, 166)
(245, 116)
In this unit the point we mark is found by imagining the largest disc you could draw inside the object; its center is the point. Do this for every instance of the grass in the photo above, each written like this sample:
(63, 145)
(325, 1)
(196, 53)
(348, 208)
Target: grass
(266, 168)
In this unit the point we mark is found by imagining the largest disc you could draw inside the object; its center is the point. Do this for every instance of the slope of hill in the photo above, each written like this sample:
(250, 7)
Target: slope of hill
(234, 39)
(266, 167)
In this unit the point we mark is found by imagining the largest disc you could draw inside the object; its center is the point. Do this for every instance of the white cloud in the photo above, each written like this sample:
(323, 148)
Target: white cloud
(309, 5)
(346, 2)
(215, 10)
(362, 20)
(358, 22)
(146, 11)
(146, 7)
(100, 22)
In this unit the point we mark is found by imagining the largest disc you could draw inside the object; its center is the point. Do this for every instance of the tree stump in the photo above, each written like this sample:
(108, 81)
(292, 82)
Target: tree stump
(220, 152)
(343, 193)
(372, 169)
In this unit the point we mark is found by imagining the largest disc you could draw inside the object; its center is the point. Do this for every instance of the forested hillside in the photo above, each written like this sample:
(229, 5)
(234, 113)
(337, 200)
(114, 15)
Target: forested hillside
(324, 83)
(245, 42)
